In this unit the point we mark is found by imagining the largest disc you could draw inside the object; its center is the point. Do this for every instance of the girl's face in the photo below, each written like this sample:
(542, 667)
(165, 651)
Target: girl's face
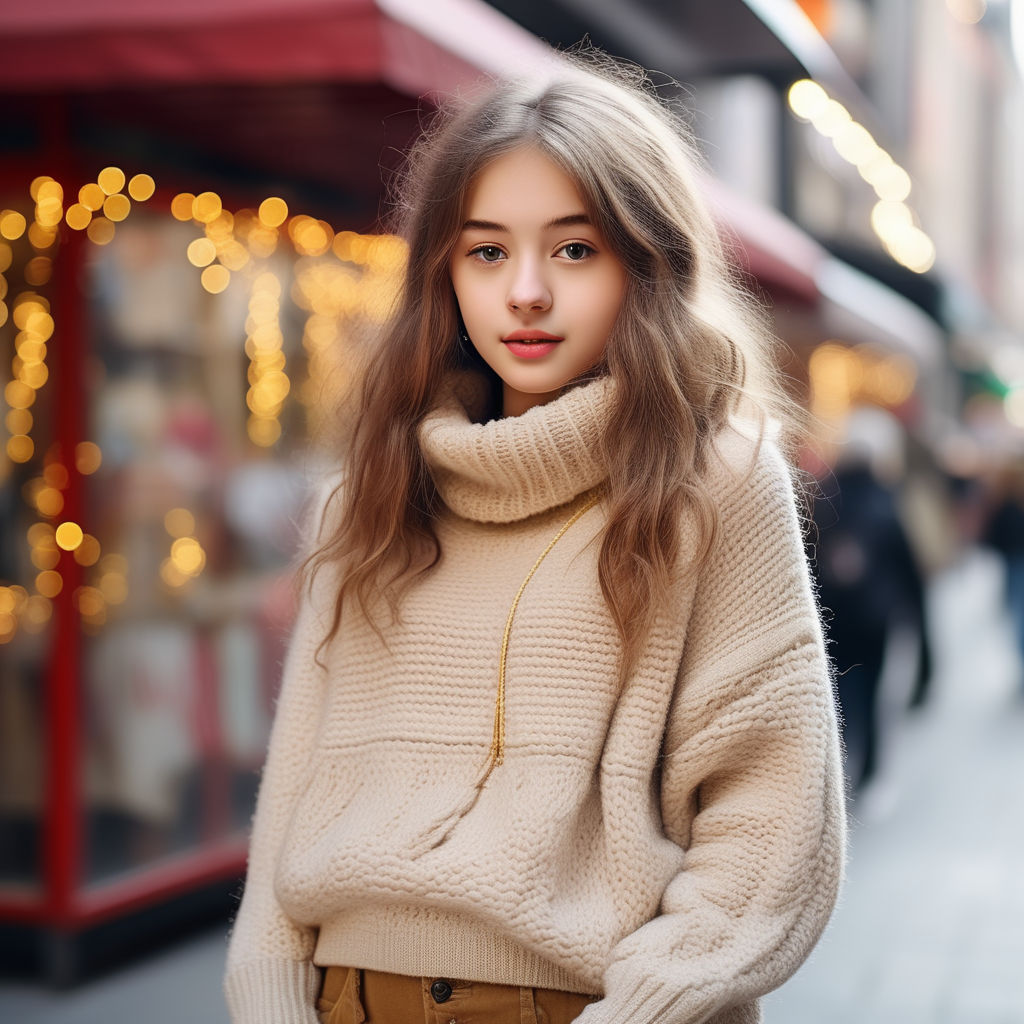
(537, 284)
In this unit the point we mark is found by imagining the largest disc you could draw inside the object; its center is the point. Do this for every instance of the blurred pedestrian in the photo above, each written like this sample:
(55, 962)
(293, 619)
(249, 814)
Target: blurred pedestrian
(1005, 534)
(869, 580)
(556, 737)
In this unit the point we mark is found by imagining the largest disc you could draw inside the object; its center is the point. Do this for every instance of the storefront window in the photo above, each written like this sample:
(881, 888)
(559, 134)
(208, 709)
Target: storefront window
(159, 517)
(189, 601)
(28, 553)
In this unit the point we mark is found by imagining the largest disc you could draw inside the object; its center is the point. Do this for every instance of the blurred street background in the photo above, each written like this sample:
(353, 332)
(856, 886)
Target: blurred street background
(193, 251)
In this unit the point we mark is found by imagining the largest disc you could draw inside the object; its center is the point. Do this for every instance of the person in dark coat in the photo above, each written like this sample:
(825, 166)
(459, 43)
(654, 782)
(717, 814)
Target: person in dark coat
(868, 582)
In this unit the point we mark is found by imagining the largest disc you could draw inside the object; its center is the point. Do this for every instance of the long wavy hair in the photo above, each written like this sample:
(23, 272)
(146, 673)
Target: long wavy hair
(689, 349)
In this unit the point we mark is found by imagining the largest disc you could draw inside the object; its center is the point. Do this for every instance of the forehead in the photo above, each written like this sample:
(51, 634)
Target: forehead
(522, 185)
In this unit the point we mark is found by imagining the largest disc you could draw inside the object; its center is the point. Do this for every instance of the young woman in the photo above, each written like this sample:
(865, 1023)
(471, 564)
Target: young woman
(556, 739)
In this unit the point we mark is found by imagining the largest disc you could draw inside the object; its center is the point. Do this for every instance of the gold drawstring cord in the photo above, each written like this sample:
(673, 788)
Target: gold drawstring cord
(496, 755)
(440, 830)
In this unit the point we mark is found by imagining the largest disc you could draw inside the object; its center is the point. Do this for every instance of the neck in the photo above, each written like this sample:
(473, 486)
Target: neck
(515, 403)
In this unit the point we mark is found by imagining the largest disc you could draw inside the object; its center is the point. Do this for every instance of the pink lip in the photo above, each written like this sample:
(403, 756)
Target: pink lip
(531, 349)
(529, 335)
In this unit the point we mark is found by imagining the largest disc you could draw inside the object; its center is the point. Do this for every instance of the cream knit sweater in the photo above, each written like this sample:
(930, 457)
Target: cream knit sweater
(675, 846)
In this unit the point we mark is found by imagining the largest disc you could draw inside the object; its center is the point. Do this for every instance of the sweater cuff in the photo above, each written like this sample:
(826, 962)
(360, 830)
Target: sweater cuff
(273, 992)
(650, 1001)
(645, 1001)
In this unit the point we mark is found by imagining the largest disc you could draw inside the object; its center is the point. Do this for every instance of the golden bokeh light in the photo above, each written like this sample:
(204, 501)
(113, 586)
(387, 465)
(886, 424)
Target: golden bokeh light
(12, 225)
(111, 180)
(88, 457)
(221, 228)
(34, 375)
(141, 187)
(49, 501)
(31, 348)
(117, 207)
(114, 587)
(38, 270)
(201, 252)
(49, 583)
(91, 196)
(90, 601)
(78, 216)
(69, 536)
(37, 183)
(263, 432)
(26, 304)
(38, 611)
(20, 448)
(171, 575)
(181, 206)
(234, 255)
(179, 522)
(40, 323)
(43, 557)
(18, 421)
(88, 552)
(49, 191)
(100, 231)
(40, 237)
(114, 562)
(49, 212)
(187, 556)
(56, 475)
(8, 627)
(41, 535)
(273, 212)
(262, 241)
(206, 207)
(6, 256)
(215, 278)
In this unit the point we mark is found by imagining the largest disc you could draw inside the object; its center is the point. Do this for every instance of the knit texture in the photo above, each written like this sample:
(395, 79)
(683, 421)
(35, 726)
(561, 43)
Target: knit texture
(674, 845)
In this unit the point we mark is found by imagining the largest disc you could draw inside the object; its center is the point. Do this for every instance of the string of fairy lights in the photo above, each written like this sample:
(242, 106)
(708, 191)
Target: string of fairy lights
(336, 277)
(893, 220)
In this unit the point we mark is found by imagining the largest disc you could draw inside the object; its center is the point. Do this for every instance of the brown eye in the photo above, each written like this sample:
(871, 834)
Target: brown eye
(488, 253)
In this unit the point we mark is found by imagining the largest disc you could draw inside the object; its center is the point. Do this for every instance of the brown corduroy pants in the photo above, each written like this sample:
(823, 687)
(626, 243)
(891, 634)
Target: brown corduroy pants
(353, 996)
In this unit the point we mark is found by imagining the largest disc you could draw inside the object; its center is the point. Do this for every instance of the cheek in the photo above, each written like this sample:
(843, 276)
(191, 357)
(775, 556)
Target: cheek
(608, 302)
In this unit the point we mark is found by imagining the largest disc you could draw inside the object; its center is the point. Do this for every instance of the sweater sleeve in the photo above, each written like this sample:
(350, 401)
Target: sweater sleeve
(750, 784)
(270, 977)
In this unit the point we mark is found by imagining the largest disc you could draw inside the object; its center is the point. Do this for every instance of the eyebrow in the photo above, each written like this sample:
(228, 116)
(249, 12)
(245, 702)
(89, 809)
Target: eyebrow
(568, 220)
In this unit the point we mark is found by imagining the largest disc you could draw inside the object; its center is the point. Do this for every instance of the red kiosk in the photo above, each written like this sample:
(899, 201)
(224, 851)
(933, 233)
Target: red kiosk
(167, 341)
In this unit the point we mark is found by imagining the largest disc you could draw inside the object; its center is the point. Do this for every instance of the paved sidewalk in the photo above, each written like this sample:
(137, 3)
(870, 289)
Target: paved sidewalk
(931, 926)
(930, 929)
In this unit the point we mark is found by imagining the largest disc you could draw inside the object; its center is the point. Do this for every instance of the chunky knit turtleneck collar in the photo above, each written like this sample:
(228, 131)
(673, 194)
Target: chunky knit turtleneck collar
(517, 466)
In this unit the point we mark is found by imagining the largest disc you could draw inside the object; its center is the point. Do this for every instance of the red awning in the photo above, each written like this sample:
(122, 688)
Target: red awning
(413, 46)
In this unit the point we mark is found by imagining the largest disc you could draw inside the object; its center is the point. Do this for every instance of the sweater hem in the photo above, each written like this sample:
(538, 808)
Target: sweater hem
(419, 943)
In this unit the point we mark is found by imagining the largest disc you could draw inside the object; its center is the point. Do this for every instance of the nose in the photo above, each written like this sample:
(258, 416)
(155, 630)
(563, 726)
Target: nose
(528, 291)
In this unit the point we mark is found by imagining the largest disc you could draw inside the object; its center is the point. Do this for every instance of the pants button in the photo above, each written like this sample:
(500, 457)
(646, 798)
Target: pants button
(440, 991)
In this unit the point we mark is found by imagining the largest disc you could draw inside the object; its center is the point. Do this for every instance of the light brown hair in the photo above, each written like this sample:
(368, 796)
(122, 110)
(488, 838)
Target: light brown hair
(689, 349)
